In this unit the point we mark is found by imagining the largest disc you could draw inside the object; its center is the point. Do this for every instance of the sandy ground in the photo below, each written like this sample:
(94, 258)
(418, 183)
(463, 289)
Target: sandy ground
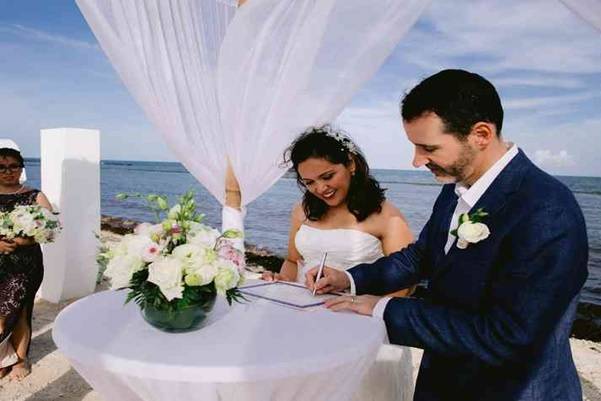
(53, 378)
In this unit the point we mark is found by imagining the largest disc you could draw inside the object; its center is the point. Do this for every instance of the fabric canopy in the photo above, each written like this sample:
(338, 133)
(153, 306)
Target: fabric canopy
(223, 82)
(287, 65)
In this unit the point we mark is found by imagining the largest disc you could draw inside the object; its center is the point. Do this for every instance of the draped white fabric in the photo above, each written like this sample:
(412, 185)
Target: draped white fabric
(166, 53)
(219, 81)
(589, 10)
(287, 65)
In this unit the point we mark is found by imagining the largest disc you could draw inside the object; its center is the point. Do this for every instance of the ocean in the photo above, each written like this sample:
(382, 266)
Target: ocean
(413, 192)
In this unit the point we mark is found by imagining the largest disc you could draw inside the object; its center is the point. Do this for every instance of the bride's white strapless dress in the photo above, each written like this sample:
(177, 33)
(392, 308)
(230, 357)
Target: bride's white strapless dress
(391, 376)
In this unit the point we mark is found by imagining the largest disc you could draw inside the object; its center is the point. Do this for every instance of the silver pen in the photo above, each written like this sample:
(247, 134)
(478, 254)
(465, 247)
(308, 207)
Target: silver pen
(320, 271)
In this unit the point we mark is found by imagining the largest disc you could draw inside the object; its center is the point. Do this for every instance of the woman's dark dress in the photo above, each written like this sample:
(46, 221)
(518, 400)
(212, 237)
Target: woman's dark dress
(21, 271)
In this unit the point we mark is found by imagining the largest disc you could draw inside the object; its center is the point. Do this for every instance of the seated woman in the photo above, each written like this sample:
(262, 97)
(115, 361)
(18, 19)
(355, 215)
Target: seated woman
(344, 212)
(21, 270)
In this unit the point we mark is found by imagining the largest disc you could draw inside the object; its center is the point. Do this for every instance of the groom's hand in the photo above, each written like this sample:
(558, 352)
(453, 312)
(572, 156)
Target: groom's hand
(363, 305)
(331, 280)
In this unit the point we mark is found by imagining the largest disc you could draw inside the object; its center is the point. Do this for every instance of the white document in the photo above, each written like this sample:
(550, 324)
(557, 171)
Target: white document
(285, 293)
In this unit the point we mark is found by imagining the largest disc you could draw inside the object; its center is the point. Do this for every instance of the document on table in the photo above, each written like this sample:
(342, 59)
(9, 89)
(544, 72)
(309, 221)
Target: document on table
(285, 293)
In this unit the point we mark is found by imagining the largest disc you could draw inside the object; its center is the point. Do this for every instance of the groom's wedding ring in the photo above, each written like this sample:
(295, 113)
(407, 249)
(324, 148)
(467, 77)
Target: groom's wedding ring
(352, 299)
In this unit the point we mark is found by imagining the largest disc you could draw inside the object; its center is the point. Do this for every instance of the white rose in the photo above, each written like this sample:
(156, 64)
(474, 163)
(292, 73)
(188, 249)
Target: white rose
(198, 274)
(194, 254)
(167, 272)
(41, 237)
(470, 233)
(186, 251)
(227, 277)
(195, 227)
(120, 270)
(137, 244)
(204, 236)
(48, 215)
(23, 221)
(118, 249)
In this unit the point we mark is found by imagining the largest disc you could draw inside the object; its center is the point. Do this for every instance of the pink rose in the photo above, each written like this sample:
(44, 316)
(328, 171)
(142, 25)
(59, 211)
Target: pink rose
(227, 251)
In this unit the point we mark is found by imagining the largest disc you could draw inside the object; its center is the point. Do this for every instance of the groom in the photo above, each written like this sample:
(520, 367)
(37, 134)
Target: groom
(504, 253)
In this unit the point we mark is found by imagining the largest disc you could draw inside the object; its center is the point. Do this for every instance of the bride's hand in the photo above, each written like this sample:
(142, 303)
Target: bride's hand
(363, 305)
(271, 276)
(332, 280)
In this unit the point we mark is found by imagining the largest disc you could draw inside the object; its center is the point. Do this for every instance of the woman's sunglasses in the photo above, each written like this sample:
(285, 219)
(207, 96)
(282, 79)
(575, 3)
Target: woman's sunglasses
(12, 168)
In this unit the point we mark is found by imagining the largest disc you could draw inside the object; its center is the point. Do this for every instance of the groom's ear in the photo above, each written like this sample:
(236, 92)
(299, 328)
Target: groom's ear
(481, 134)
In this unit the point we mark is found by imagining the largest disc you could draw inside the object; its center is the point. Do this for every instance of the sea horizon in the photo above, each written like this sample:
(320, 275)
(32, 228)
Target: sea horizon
(37, 159)
(267, 219)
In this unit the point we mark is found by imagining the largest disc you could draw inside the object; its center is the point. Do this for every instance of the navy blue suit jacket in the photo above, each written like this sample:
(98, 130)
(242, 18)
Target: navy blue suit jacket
(497, 320)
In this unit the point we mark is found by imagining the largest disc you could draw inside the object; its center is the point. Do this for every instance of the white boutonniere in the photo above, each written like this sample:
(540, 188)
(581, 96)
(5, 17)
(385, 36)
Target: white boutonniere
(470, 229)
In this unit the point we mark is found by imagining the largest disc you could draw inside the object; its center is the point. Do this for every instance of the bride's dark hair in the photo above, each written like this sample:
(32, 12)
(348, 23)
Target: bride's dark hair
(364, 195)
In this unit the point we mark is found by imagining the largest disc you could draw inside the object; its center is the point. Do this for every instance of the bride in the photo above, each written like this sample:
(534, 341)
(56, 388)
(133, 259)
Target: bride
(344, 212)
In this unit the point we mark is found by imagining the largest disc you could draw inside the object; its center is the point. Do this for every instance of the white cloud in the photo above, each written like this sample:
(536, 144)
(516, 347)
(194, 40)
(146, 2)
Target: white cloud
(535, 35)
(545, 158)
(549, 101)
(539, 82)
(578, 138)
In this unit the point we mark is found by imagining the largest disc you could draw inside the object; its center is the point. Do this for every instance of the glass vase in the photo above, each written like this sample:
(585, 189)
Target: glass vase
(182, 319)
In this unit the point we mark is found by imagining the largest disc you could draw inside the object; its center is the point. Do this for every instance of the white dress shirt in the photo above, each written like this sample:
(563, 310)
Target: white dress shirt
(467, 198)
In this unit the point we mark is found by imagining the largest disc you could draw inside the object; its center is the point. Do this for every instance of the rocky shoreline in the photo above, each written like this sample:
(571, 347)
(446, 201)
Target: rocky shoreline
(587, 325)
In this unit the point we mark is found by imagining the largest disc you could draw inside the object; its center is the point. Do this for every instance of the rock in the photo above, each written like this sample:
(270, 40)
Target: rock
(118, 225)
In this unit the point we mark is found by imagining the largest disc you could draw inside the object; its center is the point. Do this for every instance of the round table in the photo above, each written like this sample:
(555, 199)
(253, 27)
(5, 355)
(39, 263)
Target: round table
(251, 351)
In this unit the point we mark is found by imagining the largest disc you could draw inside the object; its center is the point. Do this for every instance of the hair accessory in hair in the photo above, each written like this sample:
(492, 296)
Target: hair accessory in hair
(344, 140)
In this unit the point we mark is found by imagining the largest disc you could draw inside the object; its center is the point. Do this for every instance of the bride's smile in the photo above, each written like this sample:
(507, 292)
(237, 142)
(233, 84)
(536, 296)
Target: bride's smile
(328, 181)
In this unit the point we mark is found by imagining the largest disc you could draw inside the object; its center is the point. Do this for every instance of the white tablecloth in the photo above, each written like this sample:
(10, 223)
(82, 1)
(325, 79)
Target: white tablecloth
(255, 351)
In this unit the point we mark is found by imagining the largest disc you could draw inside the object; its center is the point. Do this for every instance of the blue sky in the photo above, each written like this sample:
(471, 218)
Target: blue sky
(544, 60)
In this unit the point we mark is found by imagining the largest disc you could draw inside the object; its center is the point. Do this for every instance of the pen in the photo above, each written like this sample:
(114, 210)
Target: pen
(320, 271)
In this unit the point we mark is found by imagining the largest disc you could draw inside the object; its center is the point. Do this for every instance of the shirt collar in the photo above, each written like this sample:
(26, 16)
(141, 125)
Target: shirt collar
(472, 194)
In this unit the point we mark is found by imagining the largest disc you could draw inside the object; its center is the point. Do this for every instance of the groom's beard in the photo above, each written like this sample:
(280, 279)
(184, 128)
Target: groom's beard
(458, 171)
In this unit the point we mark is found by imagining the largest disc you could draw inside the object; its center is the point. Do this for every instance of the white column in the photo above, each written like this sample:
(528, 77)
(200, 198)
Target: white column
(70, 172)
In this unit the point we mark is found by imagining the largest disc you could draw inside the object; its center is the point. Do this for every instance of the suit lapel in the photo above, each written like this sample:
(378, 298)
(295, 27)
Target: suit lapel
(445, 222)
(492, 201)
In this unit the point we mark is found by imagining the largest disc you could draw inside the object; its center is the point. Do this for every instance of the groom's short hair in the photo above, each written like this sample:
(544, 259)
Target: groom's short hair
(460, 98)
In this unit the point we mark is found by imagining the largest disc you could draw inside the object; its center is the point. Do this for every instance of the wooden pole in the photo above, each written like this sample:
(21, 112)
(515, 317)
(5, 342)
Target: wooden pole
(233, 196)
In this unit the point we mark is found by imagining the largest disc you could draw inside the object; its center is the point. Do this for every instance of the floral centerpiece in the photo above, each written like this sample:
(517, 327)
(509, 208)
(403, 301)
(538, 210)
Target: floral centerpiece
(29, 221)
(174, 269)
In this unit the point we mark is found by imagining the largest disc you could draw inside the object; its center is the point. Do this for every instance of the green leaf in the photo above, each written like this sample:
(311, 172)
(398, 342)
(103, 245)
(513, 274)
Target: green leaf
(232, 233)
(162, 203)
(478, 215)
